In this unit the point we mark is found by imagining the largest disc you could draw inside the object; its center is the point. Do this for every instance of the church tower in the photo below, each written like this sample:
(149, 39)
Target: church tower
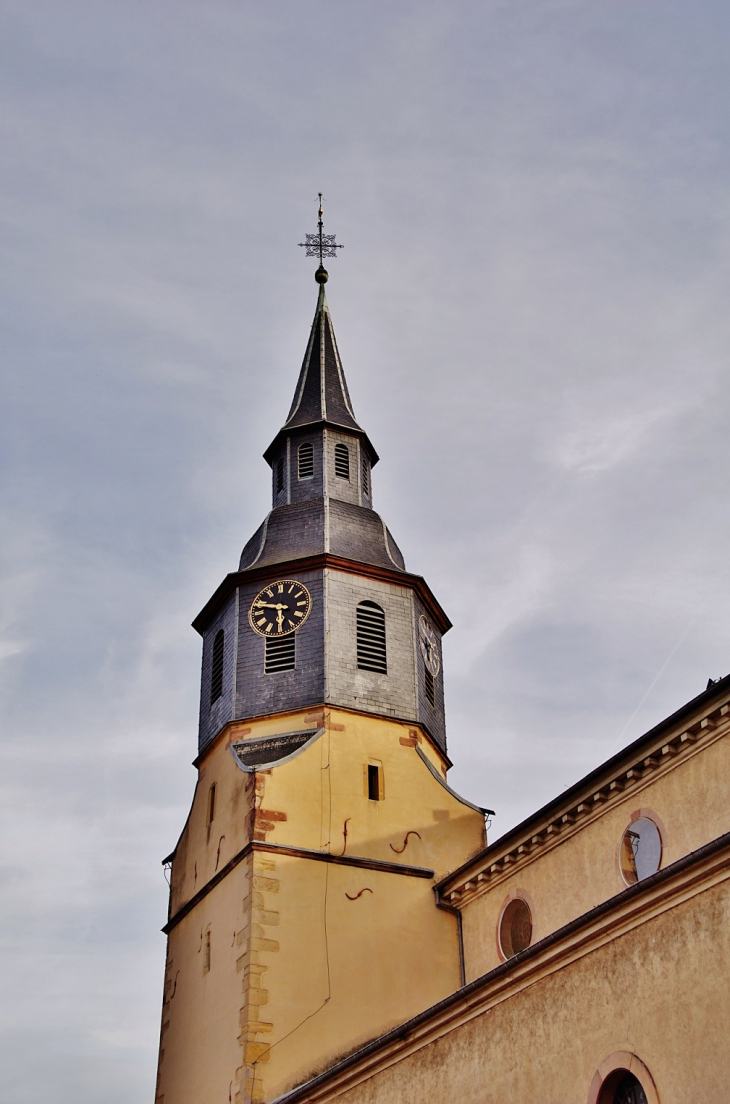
(302, 921)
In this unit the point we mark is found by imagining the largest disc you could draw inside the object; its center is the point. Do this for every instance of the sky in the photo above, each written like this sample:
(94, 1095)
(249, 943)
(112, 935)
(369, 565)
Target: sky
(531, 307)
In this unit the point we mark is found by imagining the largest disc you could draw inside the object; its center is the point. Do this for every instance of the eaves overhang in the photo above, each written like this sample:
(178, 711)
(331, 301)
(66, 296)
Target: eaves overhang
(674, 735)
(308, 427)
(317, 563)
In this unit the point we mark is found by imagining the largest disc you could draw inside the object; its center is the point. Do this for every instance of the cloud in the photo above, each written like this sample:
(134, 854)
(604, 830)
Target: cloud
(531, 312)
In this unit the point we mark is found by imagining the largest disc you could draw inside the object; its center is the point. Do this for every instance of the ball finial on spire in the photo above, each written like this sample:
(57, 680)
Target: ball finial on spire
(321, 275)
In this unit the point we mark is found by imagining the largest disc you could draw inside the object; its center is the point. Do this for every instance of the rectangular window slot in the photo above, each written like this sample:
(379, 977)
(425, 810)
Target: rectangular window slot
(206, 953)
(373, 782)
(211, 805)
(279, 654)
(280, 475)
(430, 689)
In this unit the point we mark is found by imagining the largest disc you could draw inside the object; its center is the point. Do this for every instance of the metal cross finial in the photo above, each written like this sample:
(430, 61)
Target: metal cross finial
(320, 244)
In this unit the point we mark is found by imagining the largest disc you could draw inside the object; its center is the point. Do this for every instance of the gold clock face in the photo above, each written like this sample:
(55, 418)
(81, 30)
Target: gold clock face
(429, 645)
(280, 608)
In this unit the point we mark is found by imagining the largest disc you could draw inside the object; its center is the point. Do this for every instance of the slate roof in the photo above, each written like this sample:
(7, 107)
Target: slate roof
(321, 396)
(317, 525)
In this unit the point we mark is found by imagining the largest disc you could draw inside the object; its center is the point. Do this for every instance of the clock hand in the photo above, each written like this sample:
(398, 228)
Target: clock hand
(271, 605)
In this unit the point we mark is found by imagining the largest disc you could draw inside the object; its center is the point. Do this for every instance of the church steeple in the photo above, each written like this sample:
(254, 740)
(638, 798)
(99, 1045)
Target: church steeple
(323, 532)
(321, 397)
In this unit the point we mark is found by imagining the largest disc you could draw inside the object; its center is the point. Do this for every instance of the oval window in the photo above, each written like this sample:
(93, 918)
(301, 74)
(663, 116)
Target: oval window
(515, 927)
(641, 850)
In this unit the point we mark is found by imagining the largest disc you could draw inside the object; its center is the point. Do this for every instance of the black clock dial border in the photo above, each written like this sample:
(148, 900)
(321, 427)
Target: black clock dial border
(272, 616)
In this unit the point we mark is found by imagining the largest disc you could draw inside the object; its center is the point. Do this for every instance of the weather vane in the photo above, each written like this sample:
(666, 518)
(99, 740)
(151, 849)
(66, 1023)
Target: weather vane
(320, 245)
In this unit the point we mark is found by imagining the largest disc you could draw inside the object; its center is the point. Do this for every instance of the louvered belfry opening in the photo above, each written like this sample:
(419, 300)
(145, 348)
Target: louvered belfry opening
(365, 477)
(430, 688)
(305, 457)
(280, 654)
(342, 461)
(216, 667)
(280, 475)
(371, 654)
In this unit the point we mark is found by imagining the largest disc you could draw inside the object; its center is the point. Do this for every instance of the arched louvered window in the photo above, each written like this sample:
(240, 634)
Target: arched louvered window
(342, 461)
(280, 475)
(365, 477)
(371, 654)
(216, 667)
(306, 460)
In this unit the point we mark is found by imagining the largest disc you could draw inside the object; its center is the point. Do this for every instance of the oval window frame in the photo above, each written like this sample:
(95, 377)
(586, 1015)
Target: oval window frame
(656, 820)
(513, 897)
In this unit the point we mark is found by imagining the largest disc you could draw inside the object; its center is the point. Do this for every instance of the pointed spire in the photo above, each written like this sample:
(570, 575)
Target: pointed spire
(321, 393)
(321, 396)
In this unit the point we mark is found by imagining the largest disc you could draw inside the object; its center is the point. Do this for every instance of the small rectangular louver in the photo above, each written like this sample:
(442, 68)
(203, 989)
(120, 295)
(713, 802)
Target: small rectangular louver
(365, 477)
(371, 655)
(216, 667)
(430, 689)
(306, 461)
(279, 654)
(342, 461)
(280, 475)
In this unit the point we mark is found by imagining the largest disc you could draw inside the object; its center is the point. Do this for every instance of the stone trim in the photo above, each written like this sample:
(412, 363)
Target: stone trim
(297, 853)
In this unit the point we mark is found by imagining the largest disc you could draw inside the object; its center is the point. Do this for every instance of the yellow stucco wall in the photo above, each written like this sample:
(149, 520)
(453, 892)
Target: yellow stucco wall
(657, 992)
(308, 958)
(687, 798)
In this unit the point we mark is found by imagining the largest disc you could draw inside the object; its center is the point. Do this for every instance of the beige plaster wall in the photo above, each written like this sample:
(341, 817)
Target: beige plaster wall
(688, 800)
(659, 991)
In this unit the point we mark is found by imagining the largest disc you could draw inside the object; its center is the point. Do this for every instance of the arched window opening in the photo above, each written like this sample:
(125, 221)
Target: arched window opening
(430, 688)
(280, 475)
(306, 460)
(279, 654)
(371, 655)
(216, 667)
(622, 1087)
(515, 927)
(365, 477)
(342, 461)
(641, 850)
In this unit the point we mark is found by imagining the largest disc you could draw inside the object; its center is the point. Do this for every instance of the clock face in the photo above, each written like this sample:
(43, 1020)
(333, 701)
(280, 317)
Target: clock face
(280, 608)
(429, 645)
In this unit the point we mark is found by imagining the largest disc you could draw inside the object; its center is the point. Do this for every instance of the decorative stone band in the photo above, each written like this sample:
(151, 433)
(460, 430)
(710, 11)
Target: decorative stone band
(298, 853)
(499, 860)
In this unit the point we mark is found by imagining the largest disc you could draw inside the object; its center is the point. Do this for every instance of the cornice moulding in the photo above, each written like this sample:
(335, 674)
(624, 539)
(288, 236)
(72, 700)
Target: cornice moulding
(503, 858)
